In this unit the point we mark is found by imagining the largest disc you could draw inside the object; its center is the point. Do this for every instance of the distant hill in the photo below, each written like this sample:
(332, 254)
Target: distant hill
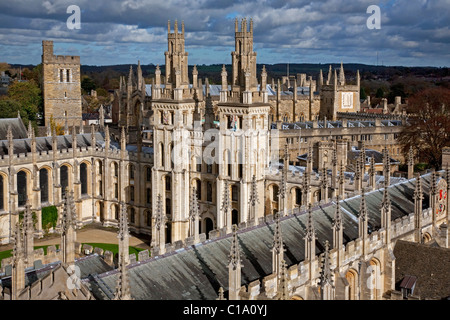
(107, 76)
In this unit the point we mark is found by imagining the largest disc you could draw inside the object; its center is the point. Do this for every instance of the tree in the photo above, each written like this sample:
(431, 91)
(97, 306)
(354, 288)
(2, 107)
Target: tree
(87, 84)
(362, 94)
(379, 93)
(429, 128)
(28, 95)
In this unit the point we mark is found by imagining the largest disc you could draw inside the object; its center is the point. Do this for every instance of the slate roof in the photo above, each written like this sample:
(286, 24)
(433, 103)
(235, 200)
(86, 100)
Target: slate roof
(89, 265)
(18, 128)
(429, 264)
(197, 272)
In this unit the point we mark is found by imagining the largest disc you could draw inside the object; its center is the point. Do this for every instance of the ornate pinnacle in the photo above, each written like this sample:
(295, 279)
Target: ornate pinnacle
(337, 221)
(310, 231)
(418, 195)
(226, 197)
(18, 246)
(253, 192)
(363, 207)
(235, 255)
(69, 215)
(278, 245)
(123, 284)
(221, 296)
(325, 271)
(283, 293)
(123, 222)
(194, 209)
(372, 166)
(433, 187)
(324, 177)
(160, 216)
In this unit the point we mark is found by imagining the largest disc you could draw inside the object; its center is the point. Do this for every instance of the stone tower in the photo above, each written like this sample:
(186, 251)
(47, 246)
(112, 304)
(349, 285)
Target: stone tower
(336, 95)
(61, 86)
(176, 58)
(243, 132)
(174, 110)
(243, 59)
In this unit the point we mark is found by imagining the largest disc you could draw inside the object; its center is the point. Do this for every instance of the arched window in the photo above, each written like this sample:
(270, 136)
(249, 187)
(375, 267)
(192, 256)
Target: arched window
(209, 225)
(131, 193)
(275, 193)
(168, 181)
(83, 178)
(116, 169)
(116, 190)
(22, 187)
(132, 214)
(149, 195)
(234, 193)
(168, 206)
(43, 184)
(148, 219)
(298, 196)
(2, 193)
(209, 192)
(131, 171)
(351, 277)
(198, 161)
(116, 212)
(199, 189)
(149, 174)
(234, 217)
(64, 180)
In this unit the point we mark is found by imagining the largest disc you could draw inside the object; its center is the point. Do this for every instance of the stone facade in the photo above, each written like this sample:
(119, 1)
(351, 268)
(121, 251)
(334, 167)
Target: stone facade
(61, 86)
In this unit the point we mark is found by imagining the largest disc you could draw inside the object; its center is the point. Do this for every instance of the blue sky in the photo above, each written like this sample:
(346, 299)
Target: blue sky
(412, 33)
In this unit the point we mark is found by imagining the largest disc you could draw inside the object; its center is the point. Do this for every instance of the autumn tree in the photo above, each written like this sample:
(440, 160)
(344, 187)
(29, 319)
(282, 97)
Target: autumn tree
(29, 96)
(429, 125)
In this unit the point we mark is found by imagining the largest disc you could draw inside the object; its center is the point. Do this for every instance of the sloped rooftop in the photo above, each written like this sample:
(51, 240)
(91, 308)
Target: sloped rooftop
(197, 272)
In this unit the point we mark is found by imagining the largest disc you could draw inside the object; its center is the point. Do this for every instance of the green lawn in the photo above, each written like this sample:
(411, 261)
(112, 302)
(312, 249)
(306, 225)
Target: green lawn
(114, 248)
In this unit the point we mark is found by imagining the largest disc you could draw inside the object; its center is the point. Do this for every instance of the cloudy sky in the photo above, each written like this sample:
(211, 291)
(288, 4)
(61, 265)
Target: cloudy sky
(412, 32)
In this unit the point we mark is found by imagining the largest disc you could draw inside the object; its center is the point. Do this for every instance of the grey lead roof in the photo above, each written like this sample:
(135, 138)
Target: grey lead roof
(197, 272)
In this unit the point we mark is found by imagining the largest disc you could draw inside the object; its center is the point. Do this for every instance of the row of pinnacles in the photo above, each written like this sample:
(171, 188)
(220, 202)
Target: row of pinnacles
(321, 277)
(58, 283)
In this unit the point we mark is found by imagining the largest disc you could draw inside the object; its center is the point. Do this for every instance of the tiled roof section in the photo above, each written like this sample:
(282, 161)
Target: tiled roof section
(197, 272)
(92, 264)
(18, 128)
(429, 264)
